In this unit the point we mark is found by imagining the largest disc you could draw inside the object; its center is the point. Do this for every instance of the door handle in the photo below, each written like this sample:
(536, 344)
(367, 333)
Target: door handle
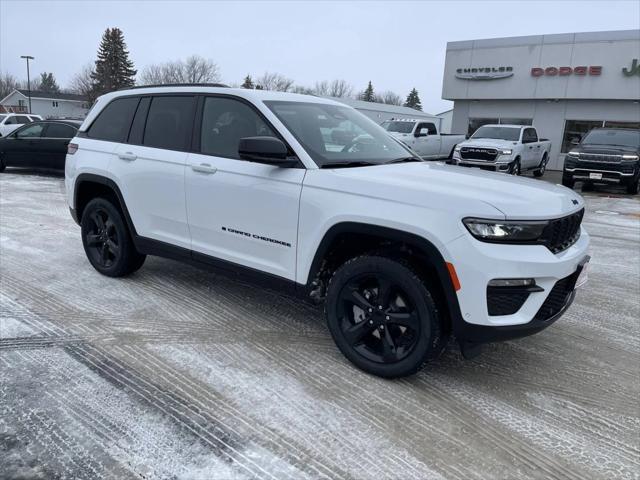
(204, 168)
(128, 156)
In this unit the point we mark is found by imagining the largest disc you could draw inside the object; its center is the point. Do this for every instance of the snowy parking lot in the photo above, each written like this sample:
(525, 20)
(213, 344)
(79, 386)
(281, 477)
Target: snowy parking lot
(179, 373)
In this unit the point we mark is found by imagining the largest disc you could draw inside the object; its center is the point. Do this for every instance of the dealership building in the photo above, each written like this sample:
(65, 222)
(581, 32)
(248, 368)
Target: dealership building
(563, 84)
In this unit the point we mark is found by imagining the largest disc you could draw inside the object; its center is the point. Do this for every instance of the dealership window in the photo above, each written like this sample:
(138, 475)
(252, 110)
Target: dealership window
(576, 129)
(476, 123)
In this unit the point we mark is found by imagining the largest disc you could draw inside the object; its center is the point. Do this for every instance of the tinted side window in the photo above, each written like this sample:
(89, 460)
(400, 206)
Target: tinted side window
(59, 130)
(22, 119)
(168, 122)
(137, 127)
(114, 121)
(224, 122)
(31, 131)
(11, 121)
(529, 135)
(430, 127)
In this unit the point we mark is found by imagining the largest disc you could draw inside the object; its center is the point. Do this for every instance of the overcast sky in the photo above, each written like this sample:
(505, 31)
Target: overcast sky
(396, 45)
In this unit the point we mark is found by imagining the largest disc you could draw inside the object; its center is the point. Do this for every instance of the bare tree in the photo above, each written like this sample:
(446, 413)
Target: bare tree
(322, 89)
(340, 88)
(390, 98)
(193, 69)
(8, 83)
(82, 83)
(275, 81)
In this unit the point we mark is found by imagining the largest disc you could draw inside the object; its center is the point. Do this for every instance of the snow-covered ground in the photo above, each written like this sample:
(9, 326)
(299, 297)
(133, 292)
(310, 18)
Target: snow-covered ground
(177, 373)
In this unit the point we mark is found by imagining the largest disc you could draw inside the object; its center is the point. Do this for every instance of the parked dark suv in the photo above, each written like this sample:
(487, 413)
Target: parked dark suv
(605, 155)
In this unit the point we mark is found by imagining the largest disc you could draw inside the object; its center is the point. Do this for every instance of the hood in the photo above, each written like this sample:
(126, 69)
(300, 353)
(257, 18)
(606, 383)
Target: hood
(606, 149)
(488, 143)
(464, 191)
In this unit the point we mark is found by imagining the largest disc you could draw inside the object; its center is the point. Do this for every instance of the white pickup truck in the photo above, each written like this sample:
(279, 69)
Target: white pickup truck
(504, 148)
(423, 137)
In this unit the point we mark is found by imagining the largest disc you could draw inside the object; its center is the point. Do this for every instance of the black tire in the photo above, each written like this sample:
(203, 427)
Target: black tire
(587, 186)
(383, 317)
(107, 241)
(515, 168)
(541, 168)
(2, 165)
(633, 187)
(568, 182)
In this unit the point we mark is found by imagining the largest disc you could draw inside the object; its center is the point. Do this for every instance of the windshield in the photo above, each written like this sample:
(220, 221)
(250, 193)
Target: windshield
(335, 135)
(498, 133)
(397, 126)
(623, 138)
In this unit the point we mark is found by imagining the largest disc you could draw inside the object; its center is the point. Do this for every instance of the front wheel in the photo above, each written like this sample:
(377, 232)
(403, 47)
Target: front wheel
(568, 182)
(382, 316)
(633, 187)
(515, 167)
(107, 241)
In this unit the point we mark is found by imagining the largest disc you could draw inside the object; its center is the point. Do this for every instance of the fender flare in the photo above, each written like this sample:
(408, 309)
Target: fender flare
(106, 181)
(420, 243)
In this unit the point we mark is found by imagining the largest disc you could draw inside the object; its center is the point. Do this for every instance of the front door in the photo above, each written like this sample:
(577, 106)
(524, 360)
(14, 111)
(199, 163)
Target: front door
(240, 211)
(54, 140)
(427, 143)
(24, 147)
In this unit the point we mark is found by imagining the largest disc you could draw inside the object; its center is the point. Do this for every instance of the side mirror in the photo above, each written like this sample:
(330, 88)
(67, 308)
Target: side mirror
(467, 136)
(575, 141)
(269, 150)
(423, 132)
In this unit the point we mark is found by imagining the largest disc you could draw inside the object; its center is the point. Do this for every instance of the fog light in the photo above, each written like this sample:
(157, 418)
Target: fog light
(512, 282)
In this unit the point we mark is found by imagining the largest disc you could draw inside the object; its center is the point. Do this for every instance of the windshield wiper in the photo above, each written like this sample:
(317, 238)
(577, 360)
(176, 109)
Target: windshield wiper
(404, 159)
(353, 163)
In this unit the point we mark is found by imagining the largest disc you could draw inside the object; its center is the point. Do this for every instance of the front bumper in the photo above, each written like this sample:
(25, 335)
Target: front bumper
(494, 261)
(501, 164)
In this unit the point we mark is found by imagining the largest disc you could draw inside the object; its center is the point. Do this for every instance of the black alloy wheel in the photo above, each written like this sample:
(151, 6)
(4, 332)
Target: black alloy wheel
(377, 318)
(107, 241)
(101, 238)
(382, 316)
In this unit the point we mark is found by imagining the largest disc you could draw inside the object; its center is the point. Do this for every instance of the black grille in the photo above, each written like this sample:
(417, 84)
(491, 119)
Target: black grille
(563, 232)
(558, 297)
(478, 153)
(502, 301)
(481, 167)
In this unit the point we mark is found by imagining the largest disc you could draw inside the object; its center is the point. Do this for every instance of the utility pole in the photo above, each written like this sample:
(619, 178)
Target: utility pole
(27, 58)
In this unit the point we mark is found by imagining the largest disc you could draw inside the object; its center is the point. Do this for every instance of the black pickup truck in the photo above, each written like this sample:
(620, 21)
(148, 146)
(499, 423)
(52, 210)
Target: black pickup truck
(605, 155)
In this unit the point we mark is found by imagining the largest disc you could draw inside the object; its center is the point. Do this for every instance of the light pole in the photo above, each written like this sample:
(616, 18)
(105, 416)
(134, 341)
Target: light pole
(27, 58)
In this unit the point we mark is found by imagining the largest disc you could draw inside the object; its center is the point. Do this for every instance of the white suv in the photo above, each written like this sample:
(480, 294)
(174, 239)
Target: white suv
(11, 121)
(311, 195)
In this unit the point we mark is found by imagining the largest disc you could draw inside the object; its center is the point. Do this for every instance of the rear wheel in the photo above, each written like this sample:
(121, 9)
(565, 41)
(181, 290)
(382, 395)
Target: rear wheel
(2, 165)
(541, 169)
(382, 316)
(107, 241)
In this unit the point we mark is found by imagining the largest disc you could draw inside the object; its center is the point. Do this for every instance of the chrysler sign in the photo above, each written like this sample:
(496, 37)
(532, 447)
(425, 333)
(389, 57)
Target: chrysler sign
(484, 73)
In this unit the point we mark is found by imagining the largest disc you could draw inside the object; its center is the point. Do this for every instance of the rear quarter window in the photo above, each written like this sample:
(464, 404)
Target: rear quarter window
(114, 121)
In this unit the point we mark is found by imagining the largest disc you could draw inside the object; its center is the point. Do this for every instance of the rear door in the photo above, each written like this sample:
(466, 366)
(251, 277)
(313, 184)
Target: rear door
(150, 167)
(240, 211)
(23, 148)
(54, 141)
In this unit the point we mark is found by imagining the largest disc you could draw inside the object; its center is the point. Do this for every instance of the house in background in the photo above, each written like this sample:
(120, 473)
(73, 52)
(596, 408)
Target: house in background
(47, 105)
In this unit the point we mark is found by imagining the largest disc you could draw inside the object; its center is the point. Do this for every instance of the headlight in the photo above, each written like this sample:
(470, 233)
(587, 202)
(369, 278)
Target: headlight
(506, 151)
(627, 156)
(456, 148)
(505, 231)
(573, 153)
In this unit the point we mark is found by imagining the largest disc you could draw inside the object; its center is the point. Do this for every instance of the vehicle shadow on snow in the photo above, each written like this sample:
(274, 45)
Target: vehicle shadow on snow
(37, 172)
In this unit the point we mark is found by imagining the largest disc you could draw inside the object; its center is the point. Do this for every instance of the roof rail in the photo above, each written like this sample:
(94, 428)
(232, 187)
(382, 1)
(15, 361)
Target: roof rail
(177, 85)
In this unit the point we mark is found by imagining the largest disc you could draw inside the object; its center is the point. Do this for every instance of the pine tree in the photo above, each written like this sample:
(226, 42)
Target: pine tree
(413, 100)
(248, 83)
(48, 83)
(368, 95)
(113, 69)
